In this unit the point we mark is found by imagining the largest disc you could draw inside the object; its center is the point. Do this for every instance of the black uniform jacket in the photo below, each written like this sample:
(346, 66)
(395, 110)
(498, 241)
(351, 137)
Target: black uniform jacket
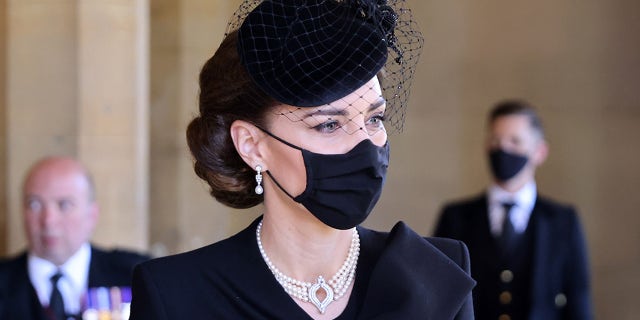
(18, 298)
(559, 266)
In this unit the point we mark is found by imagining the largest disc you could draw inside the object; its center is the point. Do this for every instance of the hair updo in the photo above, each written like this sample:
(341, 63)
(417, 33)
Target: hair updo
(227, 93)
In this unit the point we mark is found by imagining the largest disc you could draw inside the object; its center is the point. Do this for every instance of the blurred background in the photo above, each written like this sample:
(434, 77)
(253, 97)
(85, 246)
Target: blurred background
(114, 83)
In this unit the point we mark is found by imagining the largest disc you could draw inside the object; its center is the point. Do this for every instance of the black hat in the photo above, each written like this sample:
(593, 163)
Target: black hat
(309, 53)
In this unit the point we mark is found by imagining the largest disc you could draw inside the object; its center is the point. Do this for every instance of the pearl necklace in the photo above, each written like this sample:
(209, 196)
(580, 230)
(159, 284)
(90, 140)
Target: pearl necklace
(307, 291)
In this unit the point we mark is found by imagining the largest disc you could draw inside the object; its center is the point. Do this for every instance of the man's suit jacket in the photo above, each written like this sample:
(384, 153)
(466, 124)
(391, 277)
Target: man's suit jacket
(560, 276)
(18, 298)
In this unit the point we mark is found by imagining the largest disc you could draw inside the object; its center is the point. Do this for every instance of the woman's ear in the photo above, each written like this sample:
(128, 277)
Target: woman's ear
(246, 138)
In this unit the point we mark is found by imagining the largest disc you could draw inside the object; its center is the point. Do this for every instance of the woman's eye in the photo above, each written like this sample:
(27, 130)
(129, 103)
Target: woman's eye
(327, 126)
(377, 120)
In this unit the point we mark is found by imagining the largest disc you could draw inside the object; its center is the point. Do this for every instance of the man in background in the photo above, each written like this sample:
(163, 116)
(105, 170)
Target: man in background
(528, 253)
(51, 279)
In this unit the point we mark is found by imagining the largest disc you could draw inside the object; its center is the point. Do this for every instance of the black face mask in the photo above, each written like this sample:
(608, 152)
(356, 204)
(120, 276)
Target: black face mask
(342, 189)
(505, 165)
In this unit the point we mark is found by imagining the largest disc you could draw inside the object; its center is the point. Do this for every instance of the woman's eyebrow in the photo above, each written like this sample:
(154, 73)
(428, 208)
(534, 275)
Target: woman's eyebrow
(342, 112)
(326, 112)
(376, 104)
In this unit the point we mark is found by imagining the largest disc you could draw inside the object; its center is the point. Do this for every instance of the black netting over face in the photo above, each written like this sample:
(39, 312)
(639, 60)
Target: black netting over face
(361, 110)
(318, 53)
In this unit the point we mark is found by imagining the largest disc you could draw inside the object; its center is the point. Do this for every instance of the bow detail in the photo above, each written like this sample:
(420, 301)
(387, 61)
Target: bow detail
(380, 14)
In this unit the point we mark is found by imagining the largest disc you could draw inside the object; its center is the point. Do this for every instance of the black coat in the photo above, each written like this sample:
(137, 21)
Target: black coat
(18, 298)
(559, 269)
(400, 275)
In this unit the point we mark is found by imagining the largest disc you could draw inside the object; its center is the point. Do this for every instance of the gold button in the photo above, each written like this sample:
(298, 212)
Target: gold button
(506, 276)
(504, 317)
(505, 297)
(560, 300)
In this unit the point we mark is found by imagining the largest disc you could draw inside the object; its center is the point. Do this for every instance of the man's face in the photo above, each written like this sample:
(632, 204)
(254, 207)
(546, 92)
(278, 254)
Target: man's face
(59, 212)
(514, 134)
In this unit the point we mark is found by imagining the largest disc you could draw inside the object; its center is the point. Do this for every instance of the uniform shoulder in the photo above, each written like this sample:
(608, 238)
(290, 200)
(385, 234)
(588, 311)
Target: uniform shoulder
(11, 262)
(466, 202)
(555, 209)
(120, 254)
(463, 208)
(548, 202)
(217, 255)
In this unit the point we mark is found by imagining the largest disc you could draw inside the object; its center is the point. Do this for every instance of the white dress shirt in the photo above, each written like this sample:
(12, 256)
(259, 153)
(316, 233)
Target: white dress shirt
(524, 200)
(73, 283)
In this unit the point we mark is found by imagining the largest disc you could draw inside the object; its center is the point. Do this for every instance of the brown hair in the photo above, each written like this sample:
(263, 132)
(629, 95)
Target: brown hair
(227, 93)
(517, 107)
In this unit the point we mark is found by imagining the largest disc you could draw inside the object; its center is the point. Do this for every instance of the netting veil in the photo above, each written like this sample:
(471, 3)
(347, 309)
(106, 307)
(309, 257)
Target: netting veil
(311, 53)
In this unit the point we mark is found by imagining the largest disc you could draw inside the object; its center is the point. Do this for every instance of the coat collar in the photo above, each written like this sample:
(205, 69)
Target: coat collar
(412, 277)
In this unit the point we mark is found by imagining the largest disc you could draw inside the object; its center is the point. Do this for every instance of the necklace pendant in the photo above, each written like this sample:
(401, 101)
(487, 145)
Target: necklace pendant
(313, 294)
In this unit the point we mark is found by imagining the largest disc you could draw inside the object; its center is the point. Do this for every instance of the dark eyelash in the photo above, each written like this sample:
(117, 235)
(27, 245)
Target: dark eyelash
(379, 117)
(324, 126)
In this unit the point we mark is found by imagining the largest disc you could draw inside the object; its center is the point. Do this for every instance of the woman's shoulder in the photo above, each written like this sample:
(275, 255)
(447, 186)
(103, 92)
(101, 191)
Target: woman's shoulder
(218, 255)
(455, 250)
(403, 240)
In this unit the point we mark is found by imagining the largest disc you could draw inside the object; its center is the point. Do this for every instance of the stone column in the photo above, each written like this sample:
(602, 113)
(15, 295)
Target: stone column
(184, 35)
(77, 84)
(3, 126)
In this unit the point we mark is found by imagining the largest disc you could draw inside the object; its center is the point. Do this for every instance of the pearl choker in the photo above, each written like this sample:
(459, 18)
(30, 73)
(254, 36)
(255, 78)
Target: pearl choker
(307, 291)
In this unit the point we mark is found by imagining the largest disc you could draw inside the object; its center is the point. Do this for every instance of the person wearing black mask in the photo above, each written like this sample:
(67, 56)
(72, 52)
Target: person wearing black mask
(294, 111)
(528, 252)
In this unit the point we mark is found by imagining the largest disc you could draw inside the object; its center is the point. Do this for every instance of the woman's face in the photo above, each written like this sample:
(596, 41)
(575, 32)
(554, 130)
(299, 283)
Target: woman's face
(337, 127)
(334, 128)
